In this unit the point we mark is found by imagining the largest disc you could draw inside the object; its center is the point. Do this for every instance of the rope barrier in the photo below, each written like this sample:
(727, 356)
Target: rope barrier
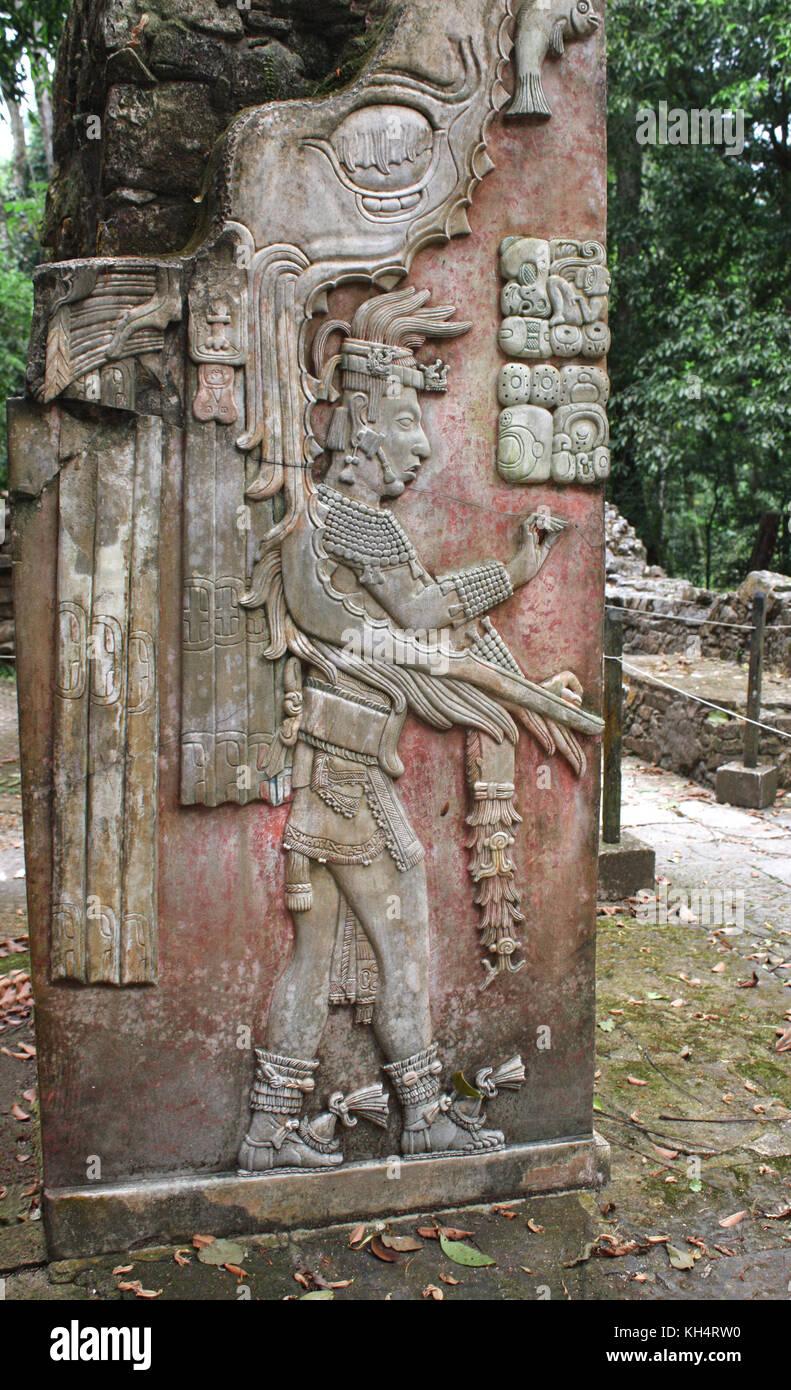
(692, 622)
(675, 618)
(698, 699)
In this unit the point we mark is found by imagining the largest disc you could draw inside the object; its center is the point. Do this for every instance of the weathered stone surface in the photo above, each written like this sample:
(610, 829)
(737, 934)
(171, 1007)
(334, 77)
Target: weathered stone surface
(625, 867)
(676, 730)
(137, 116)
(178, 43)
(92, 1220)
(217, 377)
(747, 786)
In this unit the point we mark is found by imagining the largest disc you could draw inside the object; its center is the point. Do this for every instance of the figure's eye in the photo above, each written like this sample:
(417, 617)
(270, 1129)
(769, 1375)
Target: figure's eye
(406, 422)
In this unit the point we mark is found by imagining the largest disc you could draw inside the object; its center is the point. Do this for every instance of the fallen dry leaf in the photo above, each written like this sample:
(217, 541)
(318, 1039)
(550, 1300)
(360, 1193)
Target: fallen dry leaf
(200, 1242)
(665, 1153)
(449, 1279)
(431, 1291)
(749, 983)
(237, 1270)
(718, 969)
(449, 1232)
(180, 1256)
(733, 1220)
(777, 1213)
(401, 1243)
(507, 1212)
(535, 1228)
(134, 1286)
(635, 1081)
(382, 1253)
(123, 1269)
(341, 1283)
(356, 1235)
(18, 1113)
(783, 1043)
(302, 1277)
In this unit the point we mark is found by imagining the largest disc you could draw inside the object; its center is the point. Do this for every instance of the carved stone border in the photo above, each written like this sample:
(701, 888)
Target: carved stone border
(96, 1219)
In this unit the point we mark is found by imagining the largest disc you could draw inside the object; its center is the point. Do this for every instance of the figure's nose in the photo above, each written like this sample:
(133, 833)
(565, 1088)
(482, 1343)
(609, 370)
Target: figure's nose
(421, 447)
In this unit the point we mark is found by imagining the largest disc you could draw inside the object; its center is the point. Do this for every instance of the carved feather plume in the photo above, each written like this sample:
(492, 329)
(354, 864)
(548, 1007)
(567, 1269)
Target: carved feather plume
(57, 373)
(369, 1102)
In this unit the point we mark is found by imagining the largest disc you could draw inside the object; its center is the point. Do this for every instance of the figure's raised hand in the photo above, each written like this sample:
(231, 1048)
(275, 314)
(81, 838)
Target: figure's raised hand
(536, 537)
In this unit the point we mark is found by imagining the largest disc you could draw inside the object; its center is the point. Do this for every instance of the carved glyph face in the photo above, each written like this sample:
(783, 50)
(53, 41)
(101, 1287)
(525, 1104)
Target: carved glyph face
(405, 445)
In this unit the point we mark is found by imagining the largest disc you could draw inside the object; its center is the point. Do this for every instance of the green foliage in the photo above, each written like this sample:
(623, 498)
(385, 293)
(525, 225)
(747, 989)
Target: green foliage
(701, 250)
(19, 253)
(28, 28)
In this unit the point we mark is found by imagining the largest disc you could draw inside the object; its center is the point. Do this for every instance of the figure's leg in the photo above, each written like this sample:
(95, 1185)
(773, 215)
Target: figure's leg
(393, 909)
(284, 1069)
(299, 1009)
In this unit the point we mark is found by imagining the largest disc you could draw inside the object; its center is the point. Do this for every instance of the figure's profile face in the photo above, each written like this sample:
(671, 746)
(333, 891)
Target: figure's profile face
(405, 444)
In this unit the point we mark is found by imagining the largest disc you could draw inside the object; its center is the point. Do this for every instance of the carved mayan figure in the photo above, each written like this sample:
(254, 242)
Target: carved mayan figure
(372, 635)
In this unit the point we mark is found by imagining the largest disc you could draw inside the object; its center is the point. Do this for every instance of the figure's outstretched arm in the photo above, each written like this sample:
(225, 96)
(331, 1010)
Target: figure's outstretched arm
(468, 593)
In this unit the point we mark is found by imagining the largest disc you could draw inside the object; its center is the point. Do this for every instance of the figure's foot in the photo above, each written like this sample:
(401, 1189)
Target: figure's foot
(280, 1141)
(442, 1127)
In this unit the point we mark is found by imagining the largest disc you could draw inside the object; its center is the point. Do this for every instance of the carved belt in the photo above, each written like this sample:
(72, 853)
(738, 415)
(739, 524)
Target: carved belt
(340, 722)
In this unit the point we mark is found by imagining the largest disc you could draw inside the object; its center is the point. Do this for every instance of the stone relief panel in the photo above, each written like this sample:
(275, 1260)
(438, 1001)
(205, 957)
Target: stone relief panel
(104, 912)
(371, 634)
(554, 425)
(101, 317)
(312, 627)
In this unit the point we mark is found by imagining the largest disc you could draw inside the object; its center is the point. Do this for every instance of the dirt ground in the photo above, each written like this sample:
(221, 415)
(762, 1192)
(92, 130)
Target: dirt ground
(693, 1096)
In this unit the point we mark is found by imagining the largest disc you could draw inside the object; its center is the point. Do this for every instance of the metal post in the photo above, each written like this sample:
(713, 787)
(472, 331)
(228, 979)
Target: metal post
(613, 729)
(754, 680)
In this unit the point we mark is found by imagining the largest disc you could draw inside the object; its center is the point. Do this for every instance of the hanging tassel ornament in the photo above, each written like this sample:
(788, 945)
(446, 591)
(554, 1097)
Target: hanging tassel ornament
(492, 820)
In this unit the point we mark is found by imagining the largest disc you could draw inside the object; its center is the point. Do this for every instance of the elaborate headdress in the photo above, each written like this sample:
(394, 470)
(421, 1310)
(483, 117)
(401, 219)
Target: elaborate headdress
(378, 355)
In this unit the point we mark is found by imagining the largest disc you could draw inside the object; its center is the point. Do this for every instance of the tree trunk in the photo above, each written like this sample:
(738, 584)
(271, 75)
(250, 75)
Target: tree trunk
(41, 80)
(22, 171)
(765, 541)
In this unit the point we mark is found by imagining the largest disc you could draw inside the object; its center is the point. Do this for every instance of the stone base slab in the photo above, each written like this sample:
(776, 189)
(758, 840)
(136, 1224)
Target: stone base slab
(103, 1218)
(754, 787)
(625, 867)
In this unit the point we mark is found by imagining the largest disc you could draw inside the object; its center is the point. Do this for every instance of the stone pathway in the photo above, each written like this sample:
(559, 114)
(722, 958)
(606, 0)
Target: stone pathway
(692, 1095)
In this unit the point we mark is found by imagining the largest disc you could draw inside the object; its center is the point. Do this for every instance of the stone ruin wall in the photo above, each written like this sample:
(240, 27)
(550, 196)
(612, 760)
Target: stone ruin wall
(165, 78)
(664, 727)
(675, 609)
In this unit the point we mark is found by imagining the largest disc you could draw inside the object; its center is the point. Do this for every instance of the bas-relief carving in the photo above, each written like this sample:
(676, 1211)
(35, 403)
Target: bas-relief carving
(554, 302)
(374, 635)
(554, 426)
(543, 28)
(311, 625)
(104, 912)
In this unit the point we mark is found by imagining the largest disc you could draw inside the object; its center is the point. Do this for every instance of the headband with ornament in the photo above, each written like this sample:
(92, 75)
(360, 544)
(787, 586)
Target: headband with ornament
(378, 355)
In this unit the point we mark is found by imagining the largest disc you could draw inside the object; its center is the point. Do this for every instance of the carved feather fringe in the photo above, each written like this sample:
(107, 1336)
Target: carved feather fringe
(509, 1075)
(369, 1102)
(57, 372)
